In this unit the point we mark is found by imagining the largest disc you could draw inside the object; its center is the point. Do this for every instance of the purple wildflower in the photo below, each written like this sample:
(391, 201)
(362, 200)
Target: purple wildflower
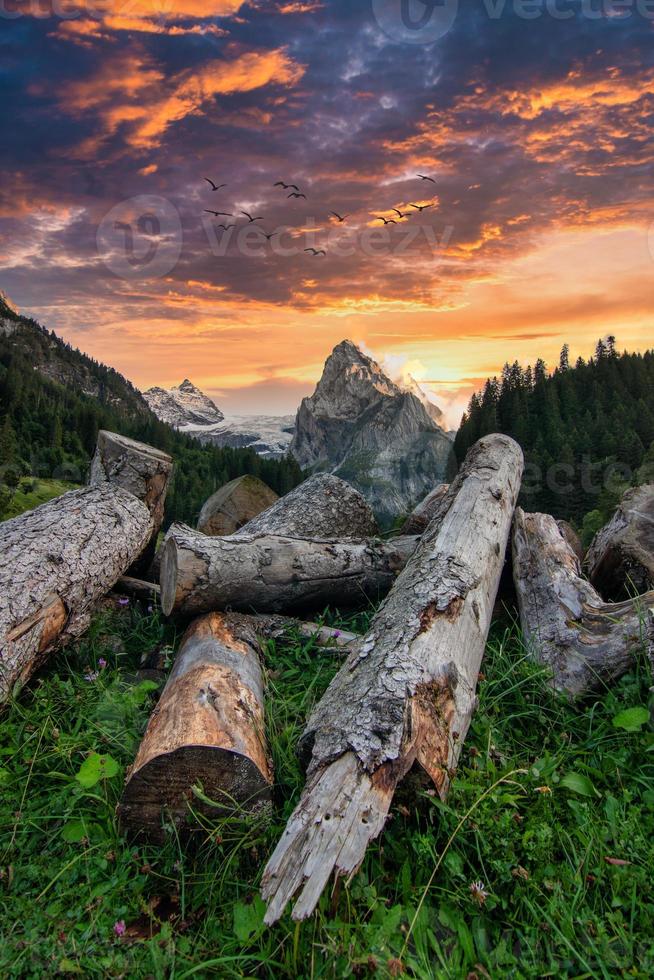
(120, 928)
(102, 663)
(123, 602)
(91, 676)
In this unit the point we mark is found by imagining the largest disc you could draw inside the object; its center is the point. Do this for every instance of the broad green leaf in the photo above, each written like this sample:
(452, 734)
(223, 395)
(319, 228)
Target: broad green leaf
(631, 719)
(579, 784)
(96, 767)
(248, 919)
(74, 831)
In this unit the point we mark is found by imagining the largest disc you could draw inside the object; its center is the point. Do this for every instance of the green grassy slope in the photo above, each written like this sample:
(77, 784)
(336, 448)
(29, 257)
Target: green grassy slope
(552, 811)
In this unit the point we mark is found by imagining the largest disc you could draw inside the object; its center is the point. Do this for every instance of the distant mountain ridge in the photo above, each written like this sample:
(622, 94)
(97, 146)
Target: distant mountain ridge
(380, 437)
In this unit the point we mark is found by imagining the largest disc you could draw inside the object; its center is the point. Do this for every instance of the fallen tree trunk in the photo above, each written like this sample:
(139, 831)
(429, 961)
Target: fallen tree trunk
(407, 694)
(57, 561)
(620, 559)
(142, 470)
(207, 731)
(584, 641)
(419, 520)
(322, 507)
(274, 574)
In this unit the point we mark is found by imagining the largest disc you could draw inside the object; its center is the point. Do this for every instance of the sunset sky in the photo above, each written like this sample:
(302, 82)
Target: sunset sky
(537, 131)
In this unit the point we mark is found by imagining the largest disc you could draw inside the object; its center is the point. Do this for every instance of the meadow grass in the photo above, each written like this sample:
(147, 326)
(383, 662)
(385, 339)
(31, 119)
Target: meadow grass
(552, 812)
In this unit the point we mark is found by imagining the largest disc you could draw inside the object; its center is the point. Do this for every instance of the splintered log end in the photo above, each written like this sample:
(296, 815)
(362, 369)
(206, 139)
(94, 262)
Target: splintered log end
(141, 469)
(341, 810)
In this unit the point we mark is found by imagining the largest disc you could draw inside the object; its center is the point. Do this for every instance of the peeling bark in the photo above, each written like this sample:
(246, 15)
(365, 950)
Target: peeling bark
(142, 470)
(274, 574)
(207, 730)
(57, 561)
(584, 641)
(407, 693)
(621, 557)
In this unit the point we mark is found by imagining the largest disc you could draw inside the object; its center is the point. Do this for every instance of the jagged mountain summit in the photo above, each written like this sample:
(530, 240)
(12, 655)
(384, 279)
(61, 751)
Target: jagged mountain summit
(184, 405)
(380, 437)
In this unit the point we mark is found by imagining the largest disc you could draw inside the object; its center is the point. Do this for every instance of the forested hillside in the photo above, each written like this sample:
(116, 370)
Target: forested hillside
(587, 430)
(53, 400)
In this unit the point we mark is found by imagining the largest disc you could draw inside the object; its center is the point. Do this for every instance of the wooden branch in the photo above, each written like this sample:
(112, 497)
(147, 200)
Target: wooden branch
(274, 574)
(207, 731)
(138, 589)
(57, 561)
(277, 627)
(322, 507)
(621, 557)
(144, 471)
(407, 694)
(419, 520)
(584, 641)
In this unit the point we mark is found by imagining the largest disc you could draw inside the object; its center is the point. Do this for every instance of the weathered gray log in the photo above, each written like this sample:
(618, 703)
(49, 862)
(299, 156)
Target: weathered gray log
(585, 642)
(419, 520)
(408, 693)
(138, 589)
(231, 507)
(142, 470)
(57, 561)
(322, 507)
(620, 559)
(207, 731)
(274, 574)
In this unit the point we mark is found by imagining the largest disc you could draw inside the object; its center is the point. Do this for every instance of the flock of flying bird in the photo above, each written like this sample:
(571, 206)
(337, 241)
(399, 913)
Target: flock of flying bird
(296, 194)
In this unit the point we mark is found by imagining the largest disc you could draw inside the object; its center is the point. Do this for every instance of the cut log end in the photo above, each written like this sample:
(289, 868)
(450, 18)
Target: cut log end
(171, 786)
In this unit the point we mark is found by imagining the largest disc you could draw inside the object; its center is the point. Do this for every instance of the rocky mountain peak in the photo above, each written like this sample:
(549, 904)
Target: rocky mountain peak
(183, 405)
(368, 430)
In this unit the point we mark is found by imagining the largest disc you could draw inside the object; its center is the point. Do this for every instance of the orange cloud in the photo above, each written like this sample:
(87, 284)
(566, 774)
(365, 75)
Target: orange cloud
(132, 92)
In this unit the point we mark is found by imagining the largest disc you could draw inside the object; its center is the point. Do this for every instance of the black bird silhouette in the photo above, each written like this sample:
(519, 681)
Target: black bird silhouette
(226, 227)
(250, 218)
(316, 251)
(401, 214)
(214, 187)
(219, 214)
(387, 221)
(287, 187)
(340, 218)
(422, 177)
(297, 194)
(421, 207)
(271, 235)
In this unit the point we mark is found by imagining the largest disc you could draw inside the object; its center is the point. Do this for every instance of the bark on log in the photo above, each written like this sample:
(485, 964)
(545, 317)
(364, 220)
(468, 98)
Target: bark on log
(408, 693)
(572, 538)
(621, 557)
(419, 520)
(274, 574)
(584, 641)
(142, 470)
(231, 507)
(57, 561)
(322, 507)
(207, 730)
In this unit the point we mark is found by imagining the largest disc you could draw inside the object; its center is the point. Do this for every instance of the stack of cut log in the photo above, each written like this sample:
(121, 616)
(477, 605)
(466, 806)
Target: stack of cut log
(406, 693)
